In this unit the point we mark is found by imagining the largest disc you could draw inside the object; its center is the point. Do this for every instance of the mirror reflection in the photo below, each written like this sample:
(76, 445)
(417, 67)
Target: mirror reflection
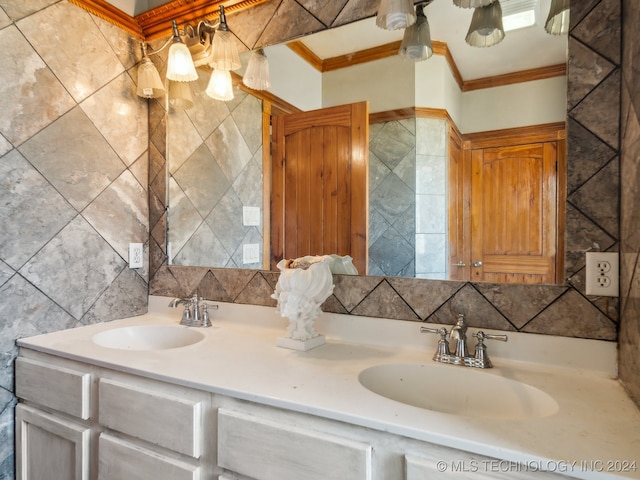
(428, 142)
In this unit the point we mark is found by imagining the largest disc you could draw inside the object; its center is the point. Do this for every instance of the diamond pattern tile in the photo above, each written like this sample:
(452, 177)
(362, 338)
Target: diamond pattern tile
(74, 156)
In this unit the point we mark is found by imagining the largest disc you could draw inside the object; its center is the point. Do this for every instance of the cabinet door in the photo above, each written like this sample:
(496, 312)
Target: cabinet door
(123, 460)
(48, 447)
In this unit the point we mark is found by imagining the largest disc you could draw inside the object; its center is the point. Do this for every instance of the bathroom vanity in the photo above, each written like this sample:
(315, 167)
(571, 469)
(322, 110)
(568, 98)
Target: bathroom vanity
(146, 398)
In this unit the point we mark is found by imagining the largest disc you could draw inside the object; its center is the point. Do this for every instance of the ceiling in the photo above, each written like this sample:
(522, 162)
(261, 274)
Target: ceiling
(524, 49)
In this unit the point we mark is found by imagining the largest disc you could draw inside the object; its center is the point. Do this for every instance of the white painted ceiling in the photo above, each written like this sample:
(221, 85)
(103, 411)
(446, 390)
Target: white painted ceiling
(522, 49)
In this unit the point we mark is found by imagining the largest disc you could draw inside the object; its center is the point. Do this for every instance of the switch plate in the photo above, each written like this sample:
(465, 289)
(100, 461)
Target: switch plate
(251, 253)
(251, 217)
(602, 274)
(136, 255)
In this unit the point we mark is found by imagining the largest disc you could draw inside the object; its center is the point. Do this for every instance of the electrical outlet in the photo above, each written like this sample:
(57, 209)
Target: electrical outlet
(136, 255)
(602, 274)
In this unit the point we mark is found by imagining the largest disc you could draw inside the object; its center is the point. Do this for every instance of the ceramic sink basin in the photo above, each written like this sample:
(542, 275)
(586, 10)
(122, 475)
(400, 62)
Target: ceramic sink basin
(148, 337)
(457, 390)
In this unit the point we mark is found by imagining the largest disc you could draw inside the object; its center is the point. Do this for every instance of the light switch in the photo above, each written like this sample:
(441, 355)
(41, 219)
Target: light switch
(251, 216)
(251, 253)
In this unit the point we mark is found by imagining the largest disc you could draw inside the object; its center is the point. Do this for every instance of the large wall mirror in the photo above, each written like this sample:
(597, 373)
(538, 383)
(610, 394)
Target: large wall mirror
(435, 127)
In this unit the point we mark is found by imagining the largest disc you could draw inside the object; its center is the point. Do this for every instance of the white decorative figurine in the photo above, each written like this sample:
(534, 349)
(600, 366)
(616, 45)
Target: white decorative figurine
(304, 284)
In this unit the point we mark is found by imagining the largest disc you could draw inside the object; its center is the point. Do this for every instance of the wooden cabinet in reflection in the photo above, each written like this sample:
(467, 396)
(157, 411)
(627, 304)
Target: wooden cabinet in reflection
(505, 223)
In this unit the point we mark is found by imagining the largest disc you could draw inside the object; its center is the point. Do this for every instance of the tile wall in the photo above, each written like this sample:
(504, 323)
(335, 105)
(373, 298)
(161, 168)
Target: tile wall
(73, 180)
(392, 198)
(223, 139)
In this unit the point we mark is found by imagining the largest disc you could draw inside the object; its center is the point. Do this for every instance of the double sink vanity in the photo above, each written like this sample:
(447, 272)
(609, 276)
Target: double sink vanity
(145, 397)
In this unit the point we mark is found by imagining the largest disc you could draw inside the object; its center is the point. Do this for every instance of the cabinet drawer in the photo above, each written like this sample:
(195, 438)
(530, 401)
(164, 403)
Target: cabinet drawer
(267, 450)
(60, 388)
(119, 460)
(159, 417)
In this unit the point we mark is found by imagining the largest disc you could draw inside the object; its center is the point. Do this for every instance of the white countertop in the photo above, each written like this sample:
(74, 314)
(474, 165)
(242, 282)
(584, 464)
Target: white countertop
(594, 434)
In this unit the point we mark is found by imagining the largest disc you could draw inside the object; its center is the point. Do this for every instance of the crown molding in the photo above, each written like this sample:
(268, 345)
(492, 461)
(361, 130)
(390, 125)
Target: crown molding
(156, 23)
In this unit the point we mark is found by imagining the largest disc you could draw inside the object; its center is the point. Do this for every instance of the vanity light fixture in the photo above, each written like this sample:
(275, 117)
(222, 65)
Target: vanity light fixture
(257, 74)
(206, 44)
(180, 67)
(558, 20)
(225, 58)
(416, 43)
(149, 82)
(225, 52)
(395, 14)
(486, 26)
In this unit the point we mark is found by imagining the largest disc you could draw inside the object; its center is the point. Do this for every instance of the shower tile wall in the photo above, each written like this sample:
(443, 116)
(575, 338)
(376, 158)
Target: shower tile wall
(431, 198)
(73, 180)
(215, 166)
(592, 205)
(392, 198)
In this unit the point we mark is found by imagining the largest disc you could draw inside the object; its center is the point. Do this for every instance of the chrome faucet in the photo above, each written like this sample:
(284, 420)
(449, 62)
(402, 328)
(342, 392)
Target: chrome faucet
(196, 313)
(460, 355)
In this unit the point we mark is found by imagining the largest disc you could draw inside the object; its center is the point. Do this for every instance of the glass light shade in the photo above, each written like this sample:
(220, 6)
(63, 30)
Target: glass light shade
(180, 95)
(149, 82)
(395, 14)
(225, 52)
(472, 3)
(257, 74)
(416, 43)
(180, 67)
(486, 26)
(220, 86)
(558, 19)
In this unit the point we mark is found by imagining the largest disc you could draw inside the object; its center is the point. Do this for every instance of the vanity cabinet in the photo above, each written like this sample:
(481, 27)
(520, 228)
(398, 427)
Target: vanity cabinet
(81, 422)
(78, 421)
(53, 438)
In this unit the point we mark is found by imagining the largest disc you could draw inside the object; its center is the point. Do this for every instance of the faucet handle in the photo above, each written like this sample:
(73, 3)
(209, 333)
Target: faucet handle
(186, 316)
(481, 336)
(441, 331)
(442, 349)
(480, 355)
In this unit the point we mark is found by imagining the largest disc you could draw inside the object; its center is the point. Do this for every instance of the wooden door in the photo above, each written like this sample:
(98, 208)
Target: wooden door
(319, 198)
(513, 213)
